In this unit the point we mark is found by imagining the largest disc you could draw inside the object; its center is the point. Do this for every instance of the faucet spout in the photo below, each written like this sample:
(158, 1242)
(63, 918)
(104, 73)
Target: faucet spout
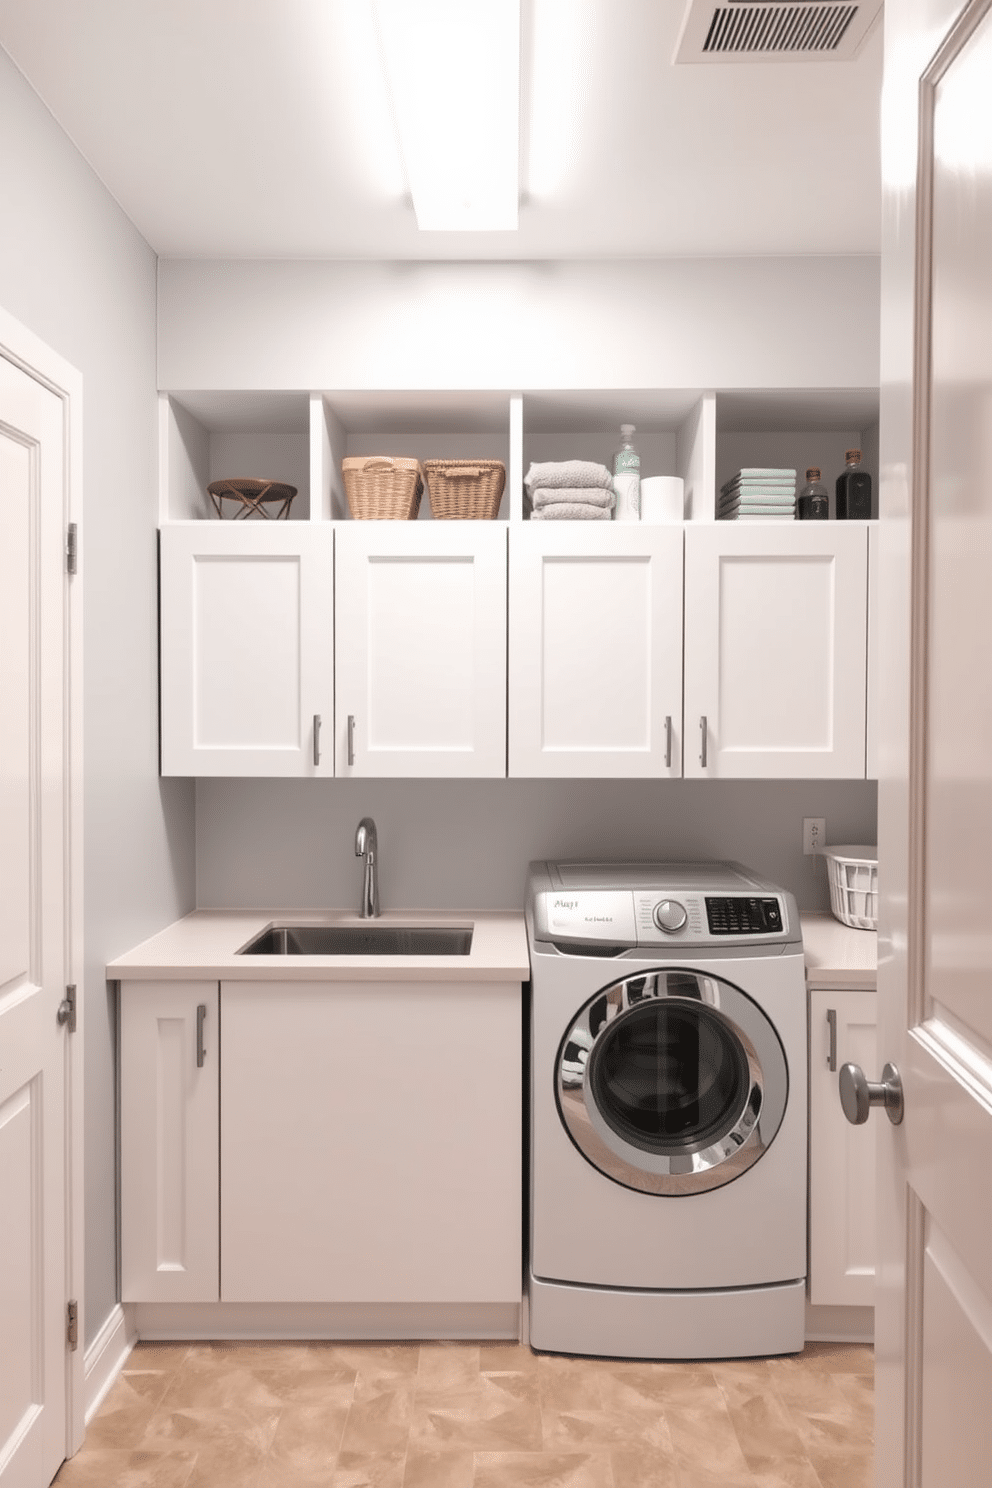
(367, 847)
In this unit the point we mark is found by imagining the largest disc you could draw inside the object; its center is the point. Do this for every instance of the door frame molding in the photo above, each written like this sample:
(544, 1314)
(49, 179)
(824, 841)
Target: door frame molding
(25, 350)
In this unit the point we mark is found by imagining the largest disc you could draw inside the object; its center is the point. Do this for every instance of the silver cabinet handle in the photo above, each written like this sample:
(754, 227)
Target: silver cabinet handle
(351, 738)
(832, 1025)
(858, 1096)
(316, 739)
(201, 1018)
(668, 742)
(702, 733)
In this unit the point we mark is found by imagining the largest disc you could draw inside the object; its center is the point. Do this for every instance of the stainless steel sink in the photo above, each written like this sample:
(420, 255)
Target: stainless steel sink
(360, 940)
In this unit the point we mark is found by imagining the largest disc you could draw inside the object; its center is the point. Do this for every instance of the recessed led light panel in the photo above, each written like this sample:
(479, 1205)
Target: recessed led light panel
(453, 71)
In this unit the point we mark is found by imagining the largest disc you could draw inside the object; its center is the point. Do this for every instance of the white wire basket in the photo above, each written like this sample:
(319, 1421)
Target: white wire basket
(853, 876)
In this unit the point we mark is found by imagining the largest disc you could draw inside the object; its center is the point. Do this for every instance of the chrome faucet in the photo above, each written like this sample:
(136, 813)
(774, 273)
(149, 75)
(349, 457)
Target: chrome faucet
(367, 845)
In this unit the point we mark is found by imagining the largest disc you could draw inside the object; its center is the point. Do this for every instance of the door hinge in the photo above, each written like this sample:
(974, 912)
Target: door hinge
(67, 1008)
(71, 549)
(72, 1326)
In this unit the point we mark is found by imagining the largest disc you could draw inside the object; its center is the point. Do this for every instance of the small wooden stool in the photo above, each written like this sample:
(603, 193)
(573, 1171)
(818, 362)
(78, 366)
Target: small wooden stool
(251, 496)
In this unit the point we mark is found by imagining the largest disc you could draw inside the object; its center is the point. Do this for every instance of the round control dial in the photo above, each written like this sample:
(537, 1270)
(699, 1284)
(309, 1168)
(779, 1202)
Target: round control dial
(670, 915)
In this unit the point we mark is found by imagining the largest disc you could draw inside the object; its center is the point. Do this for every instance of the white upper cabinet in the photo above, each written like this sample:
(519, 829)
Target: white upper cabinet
(595, 649)
(421, 648)
(704, 649)
(247, 655)
(775, 649)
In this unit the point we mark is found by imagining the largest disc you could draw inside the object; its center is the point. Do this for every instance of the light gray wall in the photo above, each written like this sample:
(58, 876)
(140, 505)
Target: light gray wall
(75, 271)
(706, 323)
(289, 844)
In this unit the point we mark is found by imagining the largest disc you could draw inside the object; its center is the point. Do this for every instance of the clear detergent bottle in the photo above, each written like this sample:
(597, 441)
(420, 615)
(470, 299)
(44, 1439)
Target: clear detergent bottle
(627, 478)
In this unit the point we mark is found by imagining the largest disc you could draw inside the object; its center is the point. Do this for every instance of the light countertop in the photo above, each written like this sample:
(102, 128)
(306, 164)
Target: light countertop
(836, 955)
(204, 947)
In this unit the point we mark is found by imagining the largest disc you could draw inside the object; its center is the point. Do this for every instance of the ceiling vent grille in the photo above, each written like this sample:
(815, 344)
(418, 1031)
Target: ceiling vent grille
(774, 30)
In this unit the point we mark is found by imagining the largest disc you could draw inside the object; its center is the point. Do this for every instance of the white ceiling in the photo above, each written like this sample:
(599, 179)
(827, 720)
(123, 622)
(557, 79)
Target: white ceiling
(260, 129)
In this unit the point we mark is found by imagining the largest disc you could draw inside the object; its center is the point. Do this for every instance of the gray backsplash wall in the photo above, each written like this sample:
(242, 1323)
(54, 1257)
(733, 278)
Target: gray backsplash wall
(466, 844)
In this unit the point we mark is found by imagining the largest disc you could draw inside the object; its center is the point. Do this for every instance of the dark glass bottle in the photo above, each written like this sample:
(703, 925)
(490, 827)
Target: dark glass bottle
(853, 489)
(813, 504)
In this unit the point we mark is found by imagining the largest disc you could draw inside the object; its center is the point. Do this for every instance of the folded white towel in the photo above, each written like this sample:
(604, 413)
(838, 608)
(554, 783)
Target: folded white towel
(572, 511)
(564, 475)
(589, 495)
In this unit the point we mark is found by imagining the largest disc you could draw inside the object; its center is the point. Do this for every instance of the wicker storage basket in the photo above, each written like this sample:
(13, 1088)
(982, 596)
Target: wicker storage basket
(853, 875)
(380, 487)
(465, 488)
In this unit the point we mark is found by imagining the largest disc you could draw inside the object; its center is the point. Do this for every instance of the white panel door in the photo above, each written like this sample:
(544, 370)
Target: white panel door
(776, 649)
(33, 938)
(169, 1078)
(371, 1147)
(841, 1162)
(247, 648)
(934, 1295)
(421, 648)
(595, 650)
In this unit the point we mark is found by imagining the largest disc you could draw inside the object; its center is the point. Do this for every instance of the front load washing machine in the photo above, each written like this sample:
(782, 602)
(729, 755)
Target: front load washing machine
(668, 1111)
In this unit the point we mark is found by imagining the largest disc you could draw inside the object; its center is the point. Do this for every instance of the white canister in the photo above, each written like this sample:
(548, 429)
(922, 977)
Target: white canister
(662, 498)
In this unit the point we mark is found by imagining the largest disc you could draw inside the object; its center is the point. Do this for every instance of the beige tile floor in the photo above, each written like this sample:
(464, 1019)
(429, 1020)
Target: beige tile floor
(454, 1415)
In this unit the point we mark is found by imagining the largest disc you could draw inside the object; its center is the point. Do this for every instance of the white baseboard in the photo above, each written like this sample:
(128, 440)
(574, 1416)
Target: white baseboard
(105, 1357)
(357, 1320)
(840, 1324)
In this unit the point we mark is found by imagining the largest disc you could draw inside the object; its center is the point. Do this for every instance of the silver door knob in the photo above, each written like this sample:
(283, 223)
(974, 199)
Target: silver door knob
(858, 1095)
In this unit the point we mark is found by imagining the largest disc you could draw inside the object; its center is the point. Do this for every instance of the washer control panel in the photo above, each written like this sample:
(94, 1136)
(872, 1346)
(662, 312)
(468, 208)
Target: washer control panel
(737, 914)
(661, 907)
(707, 919)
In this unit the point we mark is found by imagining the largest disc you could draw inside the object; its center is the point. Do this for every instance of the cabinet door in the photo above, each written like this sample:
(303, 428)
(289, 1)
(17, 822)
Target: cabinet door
(421, 648)
(371, 1142)
(247, 645)
(595, 649)
(776, 649)
(842, 1156)
(170, 1062)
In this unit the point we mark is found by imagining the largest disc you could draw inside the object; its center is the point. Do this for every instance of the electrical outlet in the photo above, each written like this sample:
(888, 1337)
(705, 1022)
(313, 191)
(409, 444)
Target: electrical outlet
(814, 834)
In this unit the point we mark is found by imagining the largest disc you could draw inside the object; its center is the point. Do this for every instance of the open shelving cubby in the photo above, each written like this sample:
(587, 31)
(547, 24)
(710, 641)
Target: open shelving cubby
(458, 425)
(208, 436)
(797, 428)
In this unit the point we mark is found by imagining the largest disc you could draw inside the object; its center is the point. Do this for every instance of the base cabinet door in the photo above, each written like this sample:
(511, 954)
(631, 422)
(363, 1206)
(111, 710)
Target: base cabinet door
(776, 649)
(371, 1142)
(169, 1084)
(247, 649)
(595, 650)
(420, 611)
(842, 1156)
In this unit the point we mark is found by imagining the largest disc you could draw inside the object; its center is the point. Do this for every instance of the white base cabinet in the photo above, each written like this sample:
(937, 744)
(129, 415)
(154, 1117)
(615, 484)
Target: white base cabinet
(595, 646)
(776, 618)
(169, 1087)
(842, 1156)
(247, 649)
(371, 1142)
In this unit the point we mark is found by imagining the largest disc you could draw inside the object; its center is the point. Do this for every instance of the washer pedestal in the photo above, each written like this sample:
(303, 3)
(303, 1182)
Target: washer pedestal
(610, 1323)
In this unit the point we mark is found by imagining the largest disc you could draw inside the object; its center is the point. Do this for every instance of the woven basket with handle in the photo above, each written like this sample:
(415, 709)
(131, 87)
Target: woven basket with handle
(465, 488)
(383, 487)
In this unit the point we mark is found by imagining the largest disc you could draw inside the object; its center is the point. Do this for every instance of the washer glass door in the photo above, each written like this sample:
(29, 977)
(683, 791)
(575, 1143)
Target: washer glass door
(672, 1082)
